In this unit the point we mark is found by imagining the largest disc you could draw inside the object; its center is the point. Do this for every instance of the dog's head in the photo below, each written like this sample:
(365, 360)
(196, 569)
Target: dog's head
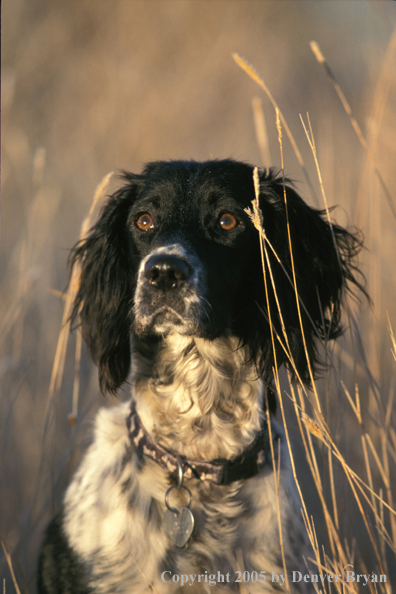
(174, 251)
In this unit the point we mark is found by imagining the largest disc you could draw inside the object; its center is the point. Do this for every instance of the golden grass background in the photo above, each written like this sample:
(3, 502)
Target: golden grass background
(93, 86)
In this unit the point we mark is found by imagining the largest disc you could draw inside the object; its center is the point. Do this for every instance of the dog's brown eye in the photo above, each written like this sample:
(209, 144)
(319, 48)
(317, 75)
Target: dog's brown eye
(227, 221)
(144, 222)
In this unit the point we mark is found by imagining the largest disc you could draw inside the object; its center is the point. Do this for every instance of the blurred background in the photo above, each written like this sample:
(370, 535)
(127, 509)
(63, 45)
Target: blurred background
(93, 86)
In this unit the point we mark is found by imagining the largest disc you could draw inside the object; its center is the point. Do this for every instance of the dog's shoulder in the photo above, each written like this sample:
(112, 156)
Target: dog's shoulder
(97, 481)
(111, 513)
(110, 445)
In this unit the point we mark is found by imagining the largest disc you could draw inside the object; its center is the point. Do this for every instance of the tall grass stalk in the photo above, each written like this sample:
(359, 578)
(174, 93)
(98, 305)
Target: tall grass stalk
(373, 501)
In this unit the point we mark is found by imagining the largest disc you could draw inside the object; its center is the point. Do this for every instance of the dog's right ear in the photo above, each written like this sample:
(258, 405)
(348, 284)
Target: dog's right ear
(104, 298)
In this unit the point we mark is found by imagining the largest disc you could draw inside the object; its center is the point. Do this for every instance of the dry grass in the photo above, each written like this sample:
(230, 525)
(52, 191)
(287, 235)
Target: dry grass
(374, 502)
(82, 95)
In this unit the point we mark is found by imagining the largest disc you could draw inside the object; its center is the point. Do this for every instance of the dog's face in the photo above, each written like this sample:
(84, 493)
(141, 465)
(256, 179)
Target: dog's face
(174, 251)
(194, 243)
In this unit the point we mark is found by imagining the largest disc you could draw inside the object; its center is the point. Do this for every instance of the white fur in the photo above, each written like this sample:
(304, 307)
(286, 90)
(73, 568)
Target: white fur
(114, 507)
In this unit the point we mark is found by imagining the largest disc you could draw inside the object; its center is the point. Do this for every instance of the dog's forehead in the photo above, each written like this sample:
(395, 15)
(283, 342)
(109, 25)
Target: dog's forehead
(189, 182)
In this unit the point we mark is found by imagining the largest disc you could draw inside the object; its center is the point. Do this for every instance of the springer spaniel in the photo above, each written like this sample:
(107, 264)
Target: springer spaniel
(178, 483)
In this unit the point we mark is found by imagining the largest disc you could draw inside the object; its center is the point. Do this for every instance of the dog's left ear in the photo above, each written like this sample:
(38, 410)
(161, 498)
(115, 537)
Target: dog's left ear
(324, 258)
(104, 299)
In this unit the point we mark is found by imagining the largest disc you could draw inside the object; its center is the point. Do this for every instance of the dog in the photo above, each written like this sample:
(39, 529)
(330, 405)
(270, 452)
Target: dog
(176, 296)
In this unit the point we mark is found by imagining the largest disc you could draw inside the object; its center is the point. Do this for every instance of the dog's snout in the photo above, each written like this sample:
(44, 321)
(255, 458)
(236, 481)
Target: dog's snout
(169, 293)
(166, 272)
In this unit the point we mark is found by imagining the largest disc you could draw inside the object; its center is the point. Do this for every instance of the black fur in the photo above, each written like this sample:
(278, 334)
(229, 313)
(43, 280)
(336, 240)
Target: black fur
(59, 570)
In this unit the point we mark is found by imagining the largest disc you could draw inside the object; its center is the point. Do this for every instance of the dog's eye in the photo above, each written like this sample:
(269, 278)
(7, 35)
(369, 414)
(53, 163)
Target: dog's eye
(144, 222)
(227, 221)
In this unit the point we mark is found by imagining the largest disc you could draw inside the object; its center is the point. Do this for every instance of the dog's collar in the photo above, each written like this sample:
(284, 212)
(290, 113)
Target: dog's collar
(220, 471)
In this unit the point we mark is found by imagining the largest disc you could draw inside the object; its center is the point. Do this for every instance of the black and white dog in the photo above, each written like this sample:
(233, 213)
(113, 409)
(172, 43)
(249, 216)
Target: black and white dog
(178, 483)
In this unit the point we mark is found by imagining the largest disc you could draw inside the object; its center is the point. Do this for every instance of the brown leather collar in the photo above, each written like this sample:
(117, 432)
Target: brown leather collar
(220, 471)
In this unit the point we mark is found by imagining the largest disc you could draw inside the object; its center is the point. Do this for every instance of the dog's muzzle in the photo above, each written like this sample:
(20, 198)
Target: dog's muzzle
(170, 292)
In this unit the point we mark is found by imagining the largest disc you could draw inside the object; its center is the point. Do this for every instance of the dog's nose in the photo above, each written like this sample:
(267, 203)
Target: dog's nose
(167, 273)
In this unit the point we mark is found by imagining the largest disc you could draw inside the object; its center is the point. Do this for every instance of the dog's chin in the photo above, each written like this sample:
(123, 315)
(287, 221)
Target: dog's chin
(167, 321)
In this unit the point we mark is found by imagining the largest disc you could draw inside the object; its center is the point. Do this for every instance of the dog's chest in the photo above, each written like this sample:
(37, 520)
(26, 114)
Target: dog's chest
(114, 520)
(114, 515)
(127, 542)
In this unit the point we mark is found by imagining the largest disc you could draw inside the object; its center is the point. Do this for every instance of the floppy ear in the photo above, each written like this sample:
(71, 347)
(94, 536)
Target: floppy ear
(324, 259)
(104, 298)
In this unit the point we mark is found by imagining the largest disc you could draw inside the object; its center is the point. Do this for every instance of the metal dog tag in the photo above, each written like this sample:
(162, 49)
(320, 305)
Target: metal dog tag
(179, 526)
(179, 523)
